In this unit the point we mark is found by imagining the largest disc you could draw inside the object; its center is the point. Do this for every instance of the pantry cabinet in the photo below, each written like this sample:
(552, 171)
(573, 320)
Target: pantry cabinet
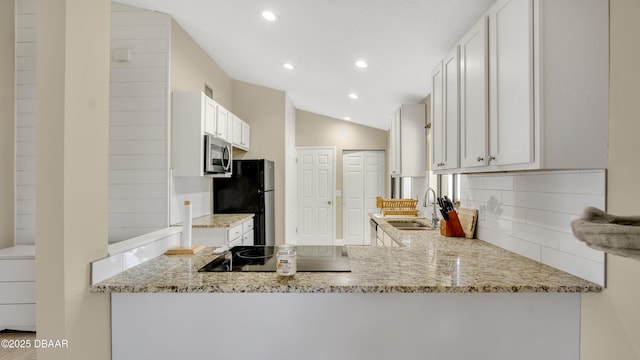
(407, 148)
(534, 87)
(445, 118)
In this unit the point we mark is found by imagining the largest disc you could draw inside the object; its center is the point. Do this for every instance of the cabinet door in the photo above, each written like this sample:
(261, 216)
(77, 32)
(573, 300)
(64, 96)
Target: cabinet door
(394, 145)
(247, 238)
(451, 101)
(222, 123)
(437, 119)
(511, 132)
(210, 115)
(236, 131)
(473, 96)
(246, 135)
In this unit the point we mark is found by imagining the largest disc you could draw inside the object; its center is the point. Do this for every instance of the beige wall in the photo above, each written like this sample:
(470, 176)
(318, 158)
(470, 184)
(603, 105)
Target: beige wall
(264, 109)
(318, 130)
(610, 327)
(7, 60)
(72, 169)
(192, 68)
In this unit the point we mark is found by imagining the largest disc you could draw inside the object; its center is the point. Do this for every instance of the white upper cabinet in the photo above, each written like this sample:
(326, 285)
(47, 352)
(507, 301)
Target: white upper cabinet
(210, 116)
(408, 141)
(445, 118)
(222, 124)
(474, 114)
(191, 113)
(241, 133)
(511, 123)
(534, 87)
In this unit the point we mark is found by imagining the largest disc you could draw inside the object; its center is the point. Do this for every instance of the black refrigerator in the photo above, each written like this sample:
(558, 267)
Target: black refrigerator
(249, 190)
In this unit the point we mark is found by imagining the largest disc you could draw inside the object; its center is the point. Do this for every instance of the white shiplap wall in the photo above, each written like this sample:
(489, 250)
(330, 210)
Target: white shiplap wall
(529, 214)
(25, 155)
(138, 128)
(138, 160)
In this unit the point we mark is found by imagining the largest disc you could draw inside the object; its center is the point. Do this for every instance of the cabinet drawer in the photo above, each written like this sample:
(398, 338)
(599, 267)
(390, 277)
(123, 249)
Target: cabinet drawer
(247, 226)
(18, 292)
(12, 316)
(234, 232)
(17, 270)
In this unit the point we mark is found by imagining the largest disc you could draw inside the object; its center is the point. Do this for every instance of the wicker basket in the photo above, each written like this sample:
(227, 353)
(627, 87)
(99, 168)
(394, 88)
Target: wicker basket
(405, 207)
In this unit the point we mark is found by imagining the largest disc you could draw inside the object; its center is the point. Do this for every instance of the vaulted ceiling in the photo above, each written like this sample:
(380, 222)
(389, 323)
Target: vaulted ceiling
(400, 40)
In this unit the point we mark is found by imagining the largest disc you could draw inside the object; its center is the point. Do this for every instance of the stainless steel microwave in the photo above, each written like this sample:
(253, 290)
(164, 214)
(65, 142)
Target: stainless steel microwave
(217, 157)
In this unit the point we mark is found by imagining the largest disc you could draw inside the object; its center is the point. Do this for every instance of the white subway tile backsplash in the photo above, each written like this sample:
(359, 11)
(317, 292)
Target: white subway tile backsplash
(529, 213)
(536, 235)
(522, 247)
(568, 244)
(577, 182)
(584, 268)
(550, 220)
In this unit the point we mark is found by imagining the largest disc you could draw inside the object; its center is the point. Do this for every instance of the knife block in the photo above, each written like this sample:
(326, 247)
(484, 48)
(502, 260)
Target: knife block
(452, 227)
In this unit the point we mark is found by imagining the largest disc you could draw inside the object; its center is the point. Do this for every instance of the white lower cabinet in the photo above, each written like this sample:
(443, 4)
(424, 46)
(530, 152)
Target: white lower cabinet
(247, 233)
(383, 239)
(240, 234)
(18, 288)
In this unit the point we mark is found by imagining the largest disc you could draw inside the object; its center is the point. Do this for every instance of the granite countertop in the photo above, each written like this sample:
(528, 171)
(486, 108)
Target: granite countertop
(220, 220)
(426, 262)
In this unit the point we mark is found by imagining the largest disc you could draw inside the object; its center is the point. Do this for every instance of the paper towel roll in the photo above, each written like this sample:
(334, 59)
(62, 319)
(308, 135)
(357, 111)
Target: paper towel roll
(185, 239)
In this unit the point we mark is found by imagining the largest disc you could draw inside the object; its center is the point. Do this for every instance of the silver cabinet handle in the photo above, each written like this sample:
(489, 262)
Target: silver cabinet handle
(329, 202)
(480, 158)
(491, 158)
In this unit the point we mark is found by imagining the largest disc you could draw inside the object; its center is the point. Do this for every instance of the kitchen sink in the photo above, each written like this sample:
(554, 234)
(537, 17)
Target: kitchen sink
(409, 225)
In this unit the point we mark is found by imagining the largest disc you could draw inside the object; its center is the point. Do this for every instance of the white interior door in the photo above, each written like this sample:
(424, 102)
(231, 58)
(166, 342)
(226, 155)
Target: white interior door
(316, 185)
(362, 182)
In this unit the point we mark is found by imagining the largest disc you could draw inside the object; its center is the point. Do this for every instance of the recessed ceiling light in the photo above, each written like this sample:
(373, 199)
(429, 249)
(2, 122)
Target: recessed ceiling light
(361, 64)
(353, 95)
(287, 66)
(270, 16)
(347, 118)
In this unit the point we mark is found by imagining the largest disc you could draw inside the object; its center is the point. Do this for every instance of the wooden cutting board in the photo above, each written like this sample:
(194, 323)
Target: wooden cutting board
(468, 219)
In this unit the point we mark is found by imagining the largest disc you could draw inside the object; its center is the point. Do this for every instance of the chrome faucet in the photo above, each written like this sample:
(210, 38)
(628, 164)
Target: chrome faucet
(434, 216)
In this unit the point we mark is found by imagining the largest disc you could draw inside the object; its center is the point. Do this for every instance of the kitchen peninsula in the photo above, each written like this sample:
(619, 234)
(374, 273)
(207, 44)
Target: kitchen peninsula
(446, 297)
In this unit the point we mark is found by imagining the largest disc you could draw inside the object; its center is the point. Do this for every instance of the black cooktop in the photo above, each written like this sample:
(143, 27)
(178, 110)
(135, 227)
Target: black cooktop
(263, 259)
